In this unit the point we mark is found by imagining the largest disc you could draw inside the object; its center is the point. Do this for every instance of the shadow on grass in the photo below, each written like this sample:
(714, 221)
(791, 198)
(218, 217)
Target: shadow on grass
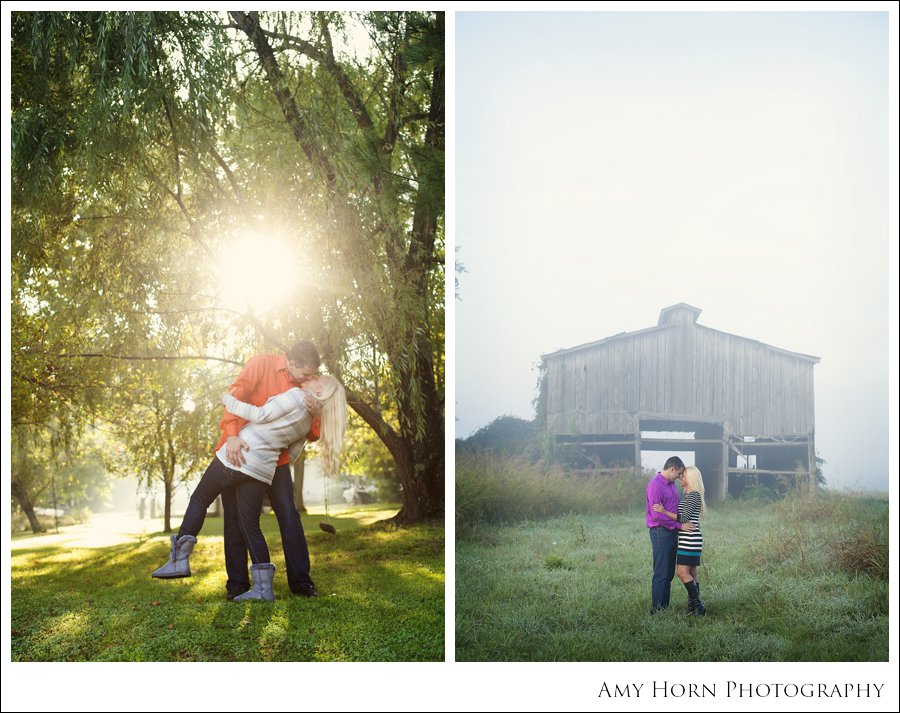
(382, 599)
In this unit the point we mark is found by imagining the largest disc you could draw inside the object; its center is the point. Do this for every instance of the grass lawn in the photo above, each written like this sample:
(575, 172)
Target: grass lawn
(382, 599)
(577, 588)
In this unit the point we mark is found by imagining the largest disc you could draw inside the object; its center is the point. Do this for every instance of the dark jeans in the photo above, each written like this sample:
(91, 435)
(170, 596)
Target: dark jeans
(293, 539)
(248, 492)
(664, 542)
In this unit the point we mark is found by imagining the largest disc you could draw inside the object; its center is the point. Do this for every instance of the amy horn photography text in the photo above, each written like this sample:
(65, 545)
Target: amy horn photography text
(734, 689)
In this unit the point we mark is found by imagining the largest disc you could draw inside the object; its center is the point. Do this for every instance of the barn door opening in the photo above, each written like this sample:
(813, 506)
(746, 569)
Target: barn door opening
(696, 443)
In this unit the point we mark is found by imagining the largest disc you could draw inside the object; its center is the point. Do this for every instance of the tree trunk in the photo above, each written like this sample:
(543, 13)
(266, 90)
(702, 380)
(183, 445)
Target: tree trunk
(419, 459)
(421, 473)
(21, 496)
(421, 462)
(299, 469)
(167, 505)
(169, 475)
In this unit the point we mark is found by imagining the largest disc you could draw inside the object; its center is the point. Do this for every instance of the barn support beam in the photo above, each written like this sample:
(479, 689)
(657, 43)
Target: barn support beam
(778, 463)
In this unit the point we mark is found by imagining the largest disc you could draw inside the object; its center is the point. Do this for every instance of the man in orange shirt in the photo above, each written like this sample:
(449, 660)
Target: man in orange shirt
(264, 376)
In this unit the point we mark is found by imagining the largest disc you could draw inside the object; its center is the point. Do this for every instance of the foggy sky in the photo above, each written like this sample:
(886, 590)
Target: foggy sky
(613, 164)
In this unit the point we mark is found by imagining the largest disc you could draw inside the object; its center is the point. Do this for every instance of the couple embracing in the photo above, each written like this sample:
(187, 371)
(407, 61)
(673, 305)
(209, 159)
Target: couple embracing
(275, 405)
(675, 536)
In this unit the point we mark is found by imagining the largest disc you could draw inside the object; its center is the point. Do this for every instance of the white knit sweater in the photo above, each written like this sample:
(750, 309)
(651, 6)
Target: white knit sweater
(282, 422)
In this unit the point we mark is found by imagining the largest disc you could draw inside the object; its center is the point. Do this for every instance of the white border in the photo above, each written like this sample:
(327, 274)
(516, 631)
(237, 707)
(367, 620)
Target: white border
(448, 685)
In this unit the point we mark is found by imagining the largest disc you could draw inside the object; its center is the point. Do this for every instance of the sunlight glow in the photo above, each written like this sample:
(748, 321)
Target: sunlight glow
(102, 530)
(258, 272)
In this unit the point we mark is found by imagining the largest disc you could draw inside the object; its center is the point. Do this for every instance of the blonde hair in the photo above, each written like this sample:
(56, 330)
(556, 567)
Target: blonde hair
(694, 478)
(333, 418)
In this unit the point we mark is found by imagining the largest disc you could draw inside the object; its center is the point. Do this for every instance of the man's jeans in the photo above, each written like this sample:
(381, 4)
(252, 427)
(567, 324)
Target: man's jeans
(293, 539)
(246, 491)
(664, 543)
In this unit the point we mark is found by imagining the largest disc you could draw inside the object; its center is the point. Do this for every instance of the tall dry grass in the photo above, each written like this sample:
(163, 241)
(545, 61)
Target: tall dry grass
(498, 489)
(822, 530)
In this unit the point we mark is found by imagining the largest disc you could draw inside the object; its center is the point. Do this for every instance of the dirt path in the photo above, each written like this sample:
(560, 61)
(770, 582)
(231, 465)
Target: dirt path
(115, 528)
(102, 530)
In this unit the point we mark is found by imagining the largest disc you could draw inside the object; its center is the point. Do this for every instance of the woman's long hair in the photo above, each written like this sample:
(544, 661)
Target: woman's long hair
(333, 418)
(695, 480)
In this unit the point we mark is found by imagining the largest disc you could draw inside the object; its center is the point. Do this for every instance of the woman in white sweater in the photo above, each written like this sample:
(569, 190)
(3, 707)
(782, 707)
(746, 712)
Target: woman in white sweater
(282, 422)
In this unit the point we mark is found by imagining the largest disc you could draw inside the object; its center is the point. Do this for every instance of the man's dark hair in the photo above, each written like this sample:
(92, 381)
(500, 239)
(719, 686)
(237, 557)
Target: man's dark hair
(304, 354)
(673, 462)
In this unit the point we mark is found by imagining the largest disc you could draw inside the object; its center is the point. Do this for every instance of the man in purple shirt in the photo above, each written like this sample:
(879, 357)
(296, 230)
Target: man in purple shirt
(664, 530)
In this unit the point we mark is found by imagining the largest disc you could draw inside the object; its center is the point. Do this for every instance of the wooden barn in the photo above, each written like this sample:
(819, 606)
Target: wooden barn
(744, 408)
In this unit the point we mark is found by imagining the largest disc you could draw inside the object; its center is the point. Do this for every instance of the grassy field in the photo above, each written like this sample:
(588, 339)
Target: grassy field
(800, 580)
(382, 599)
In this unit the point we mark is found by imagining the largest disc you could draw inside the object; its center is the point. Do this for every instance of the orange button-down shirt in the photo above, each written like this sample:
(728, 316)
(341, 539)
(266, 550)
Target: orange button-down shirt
(265, 376)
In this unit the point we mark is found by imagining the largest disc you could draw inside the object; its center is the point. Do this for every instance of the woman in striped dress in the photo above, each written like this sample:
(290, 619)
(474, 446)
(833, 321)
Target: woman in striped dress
(690, 544)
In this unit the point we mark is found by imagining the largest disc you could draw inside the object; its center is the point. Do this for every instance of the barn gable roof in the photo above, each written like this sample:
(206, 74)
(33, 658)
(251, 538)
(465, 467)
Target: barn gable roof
(668, 317)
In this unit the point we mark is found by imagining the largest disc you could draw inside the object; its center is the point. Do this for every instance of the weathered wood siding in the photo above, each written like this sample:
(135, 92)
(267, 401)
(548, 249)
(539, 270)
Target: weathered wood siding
(677, 371)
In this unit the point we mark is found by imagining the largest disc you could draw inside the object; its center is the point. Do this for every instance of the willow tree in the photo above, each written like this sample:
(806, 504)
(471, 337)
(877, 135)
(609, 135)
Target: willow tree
(48, 476)
(152, 139)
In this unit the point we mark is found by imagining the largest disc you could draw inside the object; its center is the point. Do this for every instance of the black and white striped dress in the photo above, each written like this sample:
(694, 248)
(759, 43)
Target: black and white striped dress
(690, 544)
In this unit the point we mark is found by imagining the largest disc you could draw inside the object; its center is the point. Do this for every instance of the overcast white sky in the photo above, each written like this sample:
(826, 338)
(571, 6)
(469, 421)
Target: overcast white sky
(611, 164)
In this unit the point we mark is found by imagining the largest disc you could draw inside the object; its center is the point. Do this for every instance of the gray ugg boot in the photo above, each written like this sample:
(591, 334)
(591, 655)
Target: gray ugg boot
(262, 575)
(178, 564)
